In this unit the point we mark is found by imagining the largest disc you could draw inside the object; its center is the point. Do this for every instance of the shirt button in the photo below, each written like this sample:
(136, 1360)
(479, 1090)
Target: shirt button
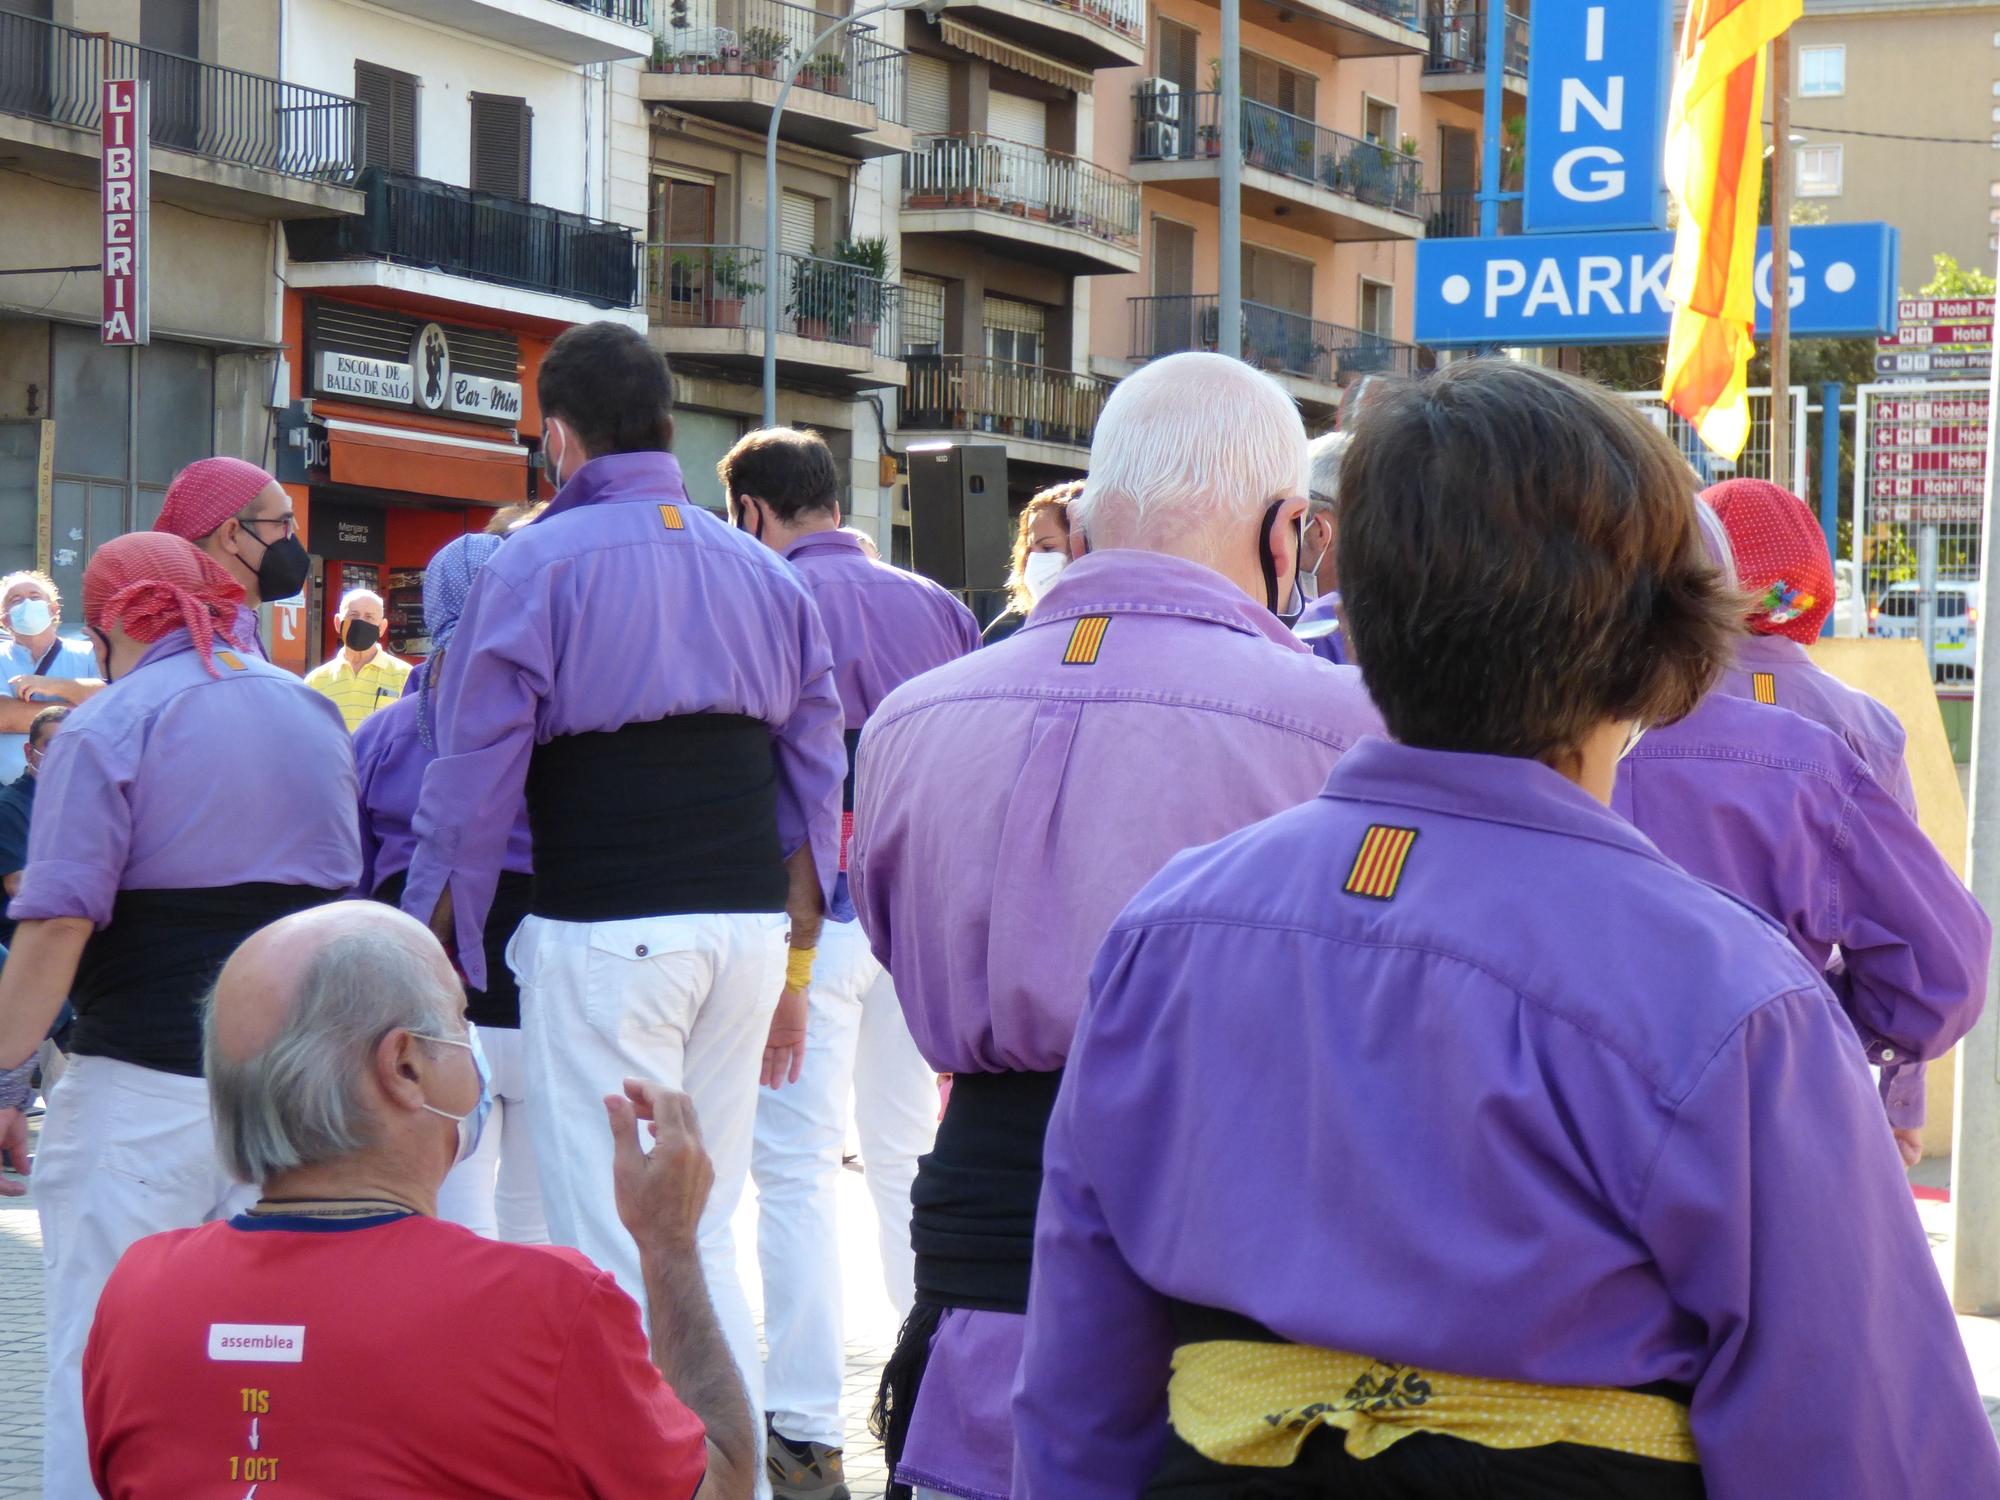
(1888, 1054)
(640, 951)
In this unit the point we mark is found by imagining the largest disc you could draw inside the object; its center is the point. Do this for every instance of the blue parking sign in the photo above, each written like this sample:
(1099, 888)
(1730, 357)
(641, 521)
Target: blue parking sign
(1598, 80)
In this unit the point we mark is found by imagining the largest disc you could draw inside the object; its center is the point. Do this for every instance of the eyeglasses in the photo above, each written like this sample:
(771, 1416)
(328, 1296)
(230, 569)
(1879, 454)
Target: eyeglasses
(288, 520)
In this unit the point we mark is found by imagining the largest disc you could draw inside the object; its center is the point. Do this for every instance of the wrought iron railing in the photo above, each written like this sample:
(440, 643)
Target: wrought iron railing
(1403, 11)
(774, 39)
(984, 171)
(483, 236)
(1455, 216)
(1273, 339)
(1458, 40)
(724, 286)
(971, 393)
(1189, 126)
(56, 73)
(1126, 17)
(631, 12)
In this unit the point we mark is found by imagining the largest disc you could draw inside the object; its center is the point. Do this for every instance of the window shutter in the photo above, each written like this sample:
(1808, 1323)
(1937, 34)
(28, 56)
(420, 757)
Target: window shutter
(391, 100)
(797, 220)
(170, 26)
(929, 109)
(1178, 44)
(1013, 117)
(501, 141)
(1173, 259)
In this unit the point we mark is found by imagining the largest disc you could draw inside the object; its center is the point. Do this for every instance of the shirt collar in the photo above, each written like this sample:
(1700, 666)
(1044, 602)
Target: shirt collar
(1490, 788)
(1126, 581)
(620, 476)
(173, 643)
(1771, 650)
(830, 540)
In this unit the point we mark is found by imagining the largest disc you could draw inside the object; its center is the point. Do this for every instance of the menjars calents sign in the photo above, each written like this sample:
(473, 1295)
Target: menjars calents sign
(127, 111)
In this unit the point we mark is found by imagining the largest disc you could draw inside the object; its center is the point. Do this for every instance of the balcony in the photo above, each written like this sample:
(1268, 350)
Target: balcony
(1042, 416)
(1310, 358)
(569, 31)
(1456, 62)
(1455, 216)
(224, 140)
(1294, 170)
(453, 231)
(1345, 28)
(1024, 202)
(1088, 34)
(727, 60)
(837, 325)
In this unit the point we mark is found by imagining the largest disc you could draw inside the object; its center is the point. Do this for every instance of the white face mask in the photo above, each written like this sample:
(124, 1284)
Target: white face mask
(30, 616)
(1040, 571)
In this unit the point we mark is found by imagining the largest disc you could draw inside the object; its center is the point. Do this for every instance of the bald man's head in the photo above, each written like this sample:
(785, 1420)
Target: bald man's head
(289, 1030)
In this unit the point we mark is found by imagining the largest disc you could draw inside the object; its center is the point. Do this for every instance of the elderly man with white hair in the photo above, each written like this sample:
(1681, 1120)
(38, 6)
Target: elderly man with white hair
(1320, 627)
(339, 1338)
(1010, 803)
(362, 677)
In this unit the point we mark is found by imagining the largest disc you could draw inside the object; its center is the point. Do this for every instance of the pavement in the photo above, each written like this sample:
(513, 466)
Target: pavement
(870, 1327)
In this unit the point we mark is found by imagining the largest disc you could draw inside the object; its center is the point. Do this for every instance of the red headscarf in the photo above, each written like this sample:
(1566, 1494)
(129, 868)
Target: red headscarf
(1781, 556)
(208, 492)
(148, 583)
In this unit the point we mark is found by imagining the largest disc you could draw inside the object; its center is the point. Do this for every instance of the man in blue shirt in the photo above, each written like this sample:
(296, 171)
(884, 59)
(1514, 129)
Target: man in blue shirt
(36, 659)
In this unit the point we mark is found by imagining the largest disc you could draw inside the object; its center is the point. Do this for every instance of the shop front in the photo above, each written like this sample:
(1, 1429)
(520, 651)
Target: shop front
(409, 427)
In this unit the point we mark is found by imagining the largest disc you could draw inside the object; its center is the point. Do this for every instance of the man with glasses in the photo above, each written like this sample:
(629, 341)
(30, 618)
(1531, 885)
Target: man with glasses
(242, 518)
(1009, 803)
(42, 667)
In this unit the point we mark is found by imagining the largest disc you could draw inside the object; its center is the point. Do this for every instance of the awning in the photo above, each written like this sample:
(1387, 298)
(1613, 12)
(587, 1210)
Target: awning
(1019, 59)
(376, 456)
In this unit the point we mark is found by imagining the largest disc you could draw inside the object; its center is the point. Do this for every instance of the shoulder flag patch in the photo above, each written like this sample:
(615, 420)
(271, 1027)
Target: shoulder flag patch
(670, 517)
(1764, 687)
(230, 660)
(1378, 866)
(1086, 640)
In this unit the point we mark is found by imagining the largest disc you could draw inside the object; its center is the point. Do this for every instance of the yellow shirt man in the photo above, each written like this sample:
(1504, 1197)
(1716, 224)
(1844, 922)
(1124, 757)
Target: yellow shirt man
(361, 677)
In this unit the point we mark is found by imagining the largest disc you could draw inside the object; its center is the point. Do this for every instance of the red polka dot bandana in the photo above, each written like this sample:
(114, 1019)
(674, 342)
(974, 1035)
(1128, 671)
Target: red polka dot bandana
(1781, 556)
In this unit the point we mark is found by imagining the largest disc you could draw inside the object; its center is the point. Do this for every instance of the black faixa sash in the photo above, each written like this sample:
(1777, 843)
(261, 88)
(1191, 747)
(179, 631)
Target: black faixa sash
(139, 987)
(499, 1004)
(972, 1226)
(678, 815)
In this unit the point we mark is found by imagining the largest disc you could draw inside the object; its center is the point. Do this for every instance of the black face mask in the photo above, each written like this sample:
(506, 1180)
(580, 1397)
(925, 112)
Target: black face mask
(361, 634)
(744, 515)
(1295, 602)
(102, 643)
(282, 572)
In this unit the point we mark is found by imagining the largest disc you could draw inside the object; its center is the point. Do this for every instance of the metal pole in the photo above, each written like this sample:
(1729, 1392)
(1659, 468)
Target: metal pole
(773, 262)
(1829, 476)
(1496, 85)
(1975, 1150)
(1781, 259)
(1927, 565)
(1229, 188)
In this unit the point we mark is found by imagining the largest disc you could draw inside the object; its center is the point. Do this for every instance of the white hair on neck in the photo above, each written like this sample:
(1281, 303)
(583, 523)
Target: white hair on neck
(1325, 456)
(354, 596)
(1194, 445)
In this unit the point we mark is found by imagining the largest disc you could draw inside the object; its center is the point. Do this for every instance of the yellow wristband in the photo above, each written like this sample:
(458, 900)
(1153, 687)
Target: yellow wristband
(799, 967)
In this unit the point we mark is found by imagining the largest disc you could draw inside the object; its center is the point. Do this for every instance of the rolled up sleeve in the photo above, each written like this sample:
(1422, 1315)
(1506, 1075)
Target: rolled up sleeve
(80, 837)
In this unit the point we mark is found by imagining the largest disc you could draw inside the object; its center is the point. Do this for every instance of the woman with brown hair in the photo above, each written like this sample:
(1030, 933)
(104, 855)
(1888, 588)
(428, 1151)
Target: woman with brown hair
(1042, 532)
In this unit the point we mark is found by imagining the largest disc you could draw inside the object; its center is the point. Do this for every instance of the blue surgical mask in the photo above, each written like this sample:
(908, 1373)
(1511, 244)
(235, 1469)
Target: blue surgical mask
(473, 1121)
(31, 616)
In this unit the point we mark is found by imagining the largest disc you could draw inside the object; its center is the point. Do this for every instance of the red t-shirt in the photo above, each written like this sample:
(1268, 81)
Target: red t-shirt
(385, 1357)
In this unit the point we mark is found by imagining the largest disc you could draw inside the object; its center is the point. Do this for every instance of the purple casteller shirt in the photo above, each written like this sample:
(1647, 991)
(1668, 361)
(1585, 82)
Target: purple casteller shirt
(171, 779)
(623, 603)
(1871, 731)
(1011, 803)
(1320, 628)
(1553, 1111)
(885, 626)
(390, 761)
(1778, 811)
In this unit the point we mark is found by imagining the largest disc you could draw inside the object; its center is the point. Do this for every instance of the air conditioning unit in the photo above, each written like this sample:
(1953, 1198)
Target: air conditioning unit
(1159, 101)
(1159, 140)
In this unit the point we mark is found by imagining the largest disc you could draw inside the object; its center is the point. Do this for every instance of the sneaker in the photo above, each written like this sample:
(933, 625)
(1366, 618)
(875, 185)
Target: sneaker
(803, 1471)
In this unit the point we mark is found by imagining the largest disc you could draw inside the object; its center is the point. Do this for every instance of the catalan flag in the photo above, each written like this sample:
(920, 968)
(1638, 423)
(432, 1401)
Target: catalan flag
(1715, 158)
(1378, 864)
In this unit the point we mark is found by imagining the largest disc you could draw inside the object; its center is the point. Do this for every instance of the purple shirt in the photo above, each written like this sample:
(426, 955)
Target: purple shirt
(1009, 805)
(1553, 1111)
(389, 762)
(1871, 731)
(1320, 628)
(1777, 811)
(885, 626)
(171, 779)
(623, 603)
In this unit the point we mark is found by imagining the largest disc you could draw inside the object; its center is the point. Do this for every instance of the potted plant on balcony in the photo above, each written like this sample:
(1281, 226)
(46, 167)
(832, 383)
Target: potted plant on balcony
(729, 59)
(869, 291)
(822, 306)
(1211, 140)
(733, 284)
(763, 49)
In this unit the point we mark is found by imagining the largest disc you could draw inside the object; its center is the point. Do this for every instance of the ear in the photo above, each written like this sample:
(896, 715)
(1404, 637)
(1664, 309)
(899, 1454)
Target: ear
(399, 1068)
(1284, 535)
(1079, 544)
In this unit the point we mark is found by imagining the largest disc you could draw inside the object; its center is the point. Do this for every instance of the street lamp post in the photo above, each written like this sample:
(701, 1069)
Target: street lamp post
(772, 266)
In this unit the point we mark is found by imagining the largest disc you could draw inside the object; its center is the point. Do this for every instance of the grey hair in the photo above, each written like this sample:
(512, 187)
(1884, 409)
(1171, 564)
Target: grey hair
(1323, 488)
(297, 1103)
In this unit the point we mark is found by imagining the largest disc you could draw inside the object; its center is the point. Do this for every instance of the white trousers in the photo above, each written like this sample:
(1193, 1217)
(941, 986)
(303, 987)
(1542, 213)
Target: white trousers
(685, 1001)
(494, 1191)
(126, 1152)
(858, 1048)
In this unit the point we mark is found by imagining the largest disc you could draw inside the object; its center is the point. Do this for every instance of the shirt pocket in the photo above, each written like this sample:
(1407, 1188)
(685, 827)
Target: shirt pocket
(647, 975)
